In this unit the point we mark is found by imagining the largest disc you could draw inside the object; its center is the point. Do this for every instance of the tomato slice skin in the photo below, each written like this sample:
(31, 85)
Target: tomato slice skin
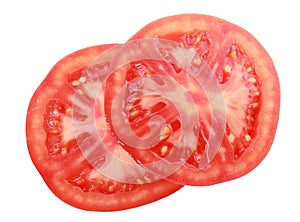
(244, 147)
(56, 155)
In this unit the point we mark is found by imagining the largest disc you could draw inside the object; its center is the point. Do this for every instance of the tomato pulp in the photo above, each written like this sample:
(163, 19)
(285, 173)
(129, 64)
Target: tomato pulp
(54, 148)
(249, 85)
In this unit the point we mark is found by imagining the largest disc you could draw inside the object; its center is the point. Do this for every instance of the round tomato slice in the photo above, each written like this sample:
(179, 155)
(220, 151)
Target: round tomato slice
(54, 148)
(249, 85)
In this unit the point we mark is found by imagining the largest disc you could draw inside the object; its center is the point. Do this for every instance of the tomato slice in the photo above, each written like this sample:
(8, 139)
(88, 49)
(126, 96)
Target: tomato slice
(249, 85)
(54, 149)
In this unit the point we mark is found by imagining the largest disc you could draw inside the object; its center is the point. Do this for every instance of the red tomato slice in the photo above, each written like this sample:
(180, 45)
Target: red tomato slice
(54, 149)
(250, 88)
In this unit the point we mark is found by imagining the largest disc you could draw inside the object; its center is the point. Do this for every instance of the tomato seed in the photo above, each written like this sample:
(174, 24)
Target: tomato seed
(69, 111)
(75, 83)
(164, 150)
(249, 69)
(231, 138)
(247, 138)
(227, 69)
(252, 80)
(54, 131)
(255, 105)
(82, 79)
(165, 132)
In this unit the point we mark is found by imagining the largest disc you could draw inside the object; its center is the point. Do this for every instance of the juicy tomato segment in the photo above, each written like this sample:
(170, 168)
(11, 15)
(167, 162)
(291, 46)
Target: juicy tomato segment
(56, 154)
(239, 77)
(140, 109)
(250, 88)
(57, 119)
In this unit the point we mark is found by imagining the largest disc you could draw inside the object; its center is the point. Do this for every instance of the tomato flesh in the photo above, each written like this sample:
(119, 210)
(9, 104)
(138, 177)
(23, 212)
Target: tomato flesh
(56, 154)
(250, 88)
(239, 71)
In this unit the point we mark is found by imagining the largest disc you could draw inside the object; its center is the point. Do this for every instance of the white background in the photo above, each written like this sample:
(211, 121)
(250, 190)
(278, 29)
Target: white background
(36, 34)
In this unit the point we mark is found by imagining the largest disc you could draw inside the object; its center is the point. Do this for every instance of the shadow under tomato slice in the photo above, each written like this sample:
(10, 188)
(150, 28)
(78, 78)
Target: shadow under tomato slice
(250, 88)
(54, 149)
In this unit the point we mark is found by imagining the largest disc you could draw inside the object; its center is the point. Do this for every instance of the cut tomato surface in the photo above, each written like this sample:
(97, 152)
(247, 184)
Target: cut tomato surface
(249, 86)
(189, 100)
(54, 149)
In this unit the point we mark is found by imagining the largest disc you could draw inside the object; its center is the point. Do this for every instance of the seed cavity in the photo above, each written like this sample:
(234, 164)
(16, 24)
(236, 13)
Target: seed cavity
(200, 41)
(242, 67)
(56, 115)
